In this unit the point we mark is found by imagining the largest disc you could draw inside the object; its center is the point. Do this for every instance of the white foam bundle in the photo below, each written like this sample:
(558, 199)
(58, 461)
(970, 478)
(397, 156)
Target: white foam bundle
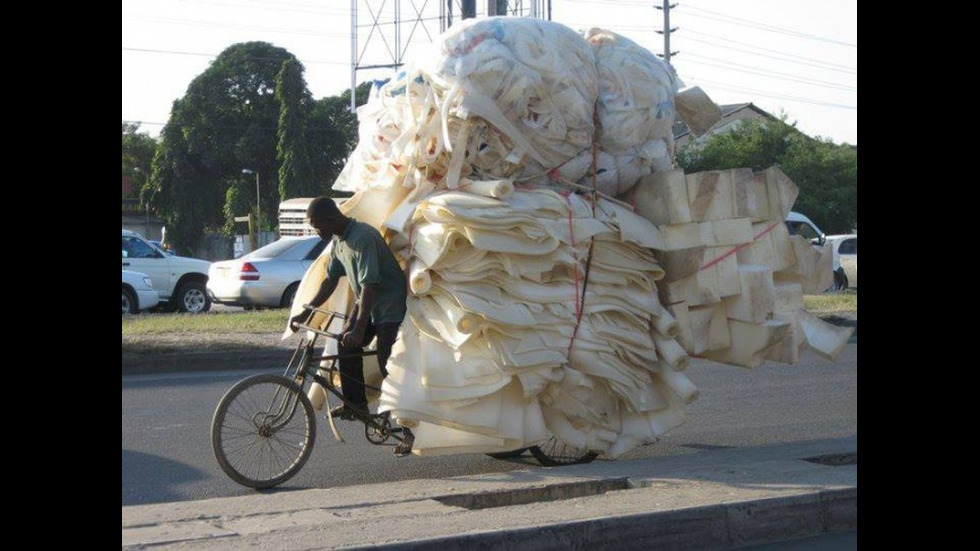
(535, 311)
(510, 98)
(529, 316)
(494, 98)
(635, 108)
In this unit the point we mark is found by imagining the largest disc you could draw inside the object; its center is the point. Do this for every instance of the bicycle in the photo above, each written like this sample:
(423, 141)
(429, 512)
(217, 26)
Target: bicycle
(264, 427)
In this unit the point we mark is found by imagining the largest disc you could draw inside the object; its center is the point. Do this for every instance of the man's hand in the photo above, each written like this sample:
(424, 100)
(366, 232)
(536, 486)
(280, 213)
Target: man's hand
(354, 337)
(301, 317)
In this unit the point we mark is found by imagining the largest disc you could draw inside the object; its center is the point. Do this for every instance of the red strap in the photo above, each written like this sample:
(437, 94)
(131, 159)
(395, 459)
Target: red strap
(736, 248)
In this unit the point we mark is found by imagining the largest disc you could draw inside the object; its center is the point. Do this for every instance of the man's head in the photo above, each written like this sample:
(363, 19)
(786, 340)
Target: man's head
(325, 217)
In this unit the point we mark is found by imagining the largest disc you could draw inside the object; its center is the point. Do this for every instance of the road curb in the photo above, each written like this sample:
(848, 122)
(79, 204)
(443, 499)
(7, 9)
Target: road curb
(721, 499)
(721, 526)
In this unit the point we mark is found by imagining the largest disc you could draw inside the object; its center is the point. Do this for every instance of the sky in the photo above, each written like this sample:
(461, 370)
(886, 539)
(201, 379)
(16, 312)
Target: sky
(792, 57)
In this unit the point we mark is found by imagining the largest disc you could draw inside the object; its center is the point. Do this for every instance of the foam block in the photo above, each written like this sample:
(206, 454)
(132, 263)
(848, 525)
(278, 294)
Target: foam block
(756, 301)
(661, 198)
(749, 342)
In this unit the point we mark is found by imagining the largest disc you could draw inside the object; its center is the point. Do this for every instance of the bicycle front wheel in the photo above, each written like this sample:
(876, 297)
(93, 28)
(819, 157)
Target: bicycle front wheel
(263, 430)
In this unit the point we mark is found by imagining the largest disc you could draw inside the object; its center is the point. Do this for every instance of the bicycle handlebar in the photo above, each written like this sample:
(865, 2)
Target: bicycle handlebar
(331, 315)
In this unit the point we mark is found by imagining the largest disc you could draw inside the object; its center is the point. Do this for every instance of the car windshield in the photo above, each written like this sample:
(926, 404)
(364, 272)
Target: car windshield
(848, 246)
(274, 249)
(133, 247)
(801, 228)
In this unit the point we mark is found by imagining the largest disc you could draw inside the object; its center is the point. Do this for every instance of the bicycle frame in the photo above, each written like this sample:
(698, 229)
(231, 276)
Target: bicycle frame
(377, 427)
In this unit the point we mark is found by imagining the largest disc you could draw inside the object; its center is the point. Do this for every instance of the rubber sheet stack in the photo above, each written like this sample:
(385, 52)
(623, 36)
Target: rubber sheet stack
(537, 300)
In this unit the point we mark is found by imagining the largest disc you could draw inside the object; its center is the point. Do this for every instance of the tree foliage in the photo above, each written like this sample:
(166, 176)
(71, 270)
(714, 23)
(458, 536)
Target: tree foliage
(295, 106)
(333, 135)
(251, 110)
(826, 173)
(226, 122)
(137, 155)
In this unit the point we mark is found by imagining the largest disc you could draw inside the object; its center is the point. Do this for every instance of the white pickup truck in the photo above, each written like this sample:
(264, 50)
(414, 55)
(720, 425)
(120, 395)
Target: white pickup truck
(800, 224)
(177, 279)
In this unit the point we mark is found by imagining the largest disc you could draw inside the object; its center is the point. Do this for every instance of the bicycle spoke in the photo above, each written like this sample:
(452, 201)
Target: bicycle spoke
(263, 430)
(243, 433)
(289, 445)
(276, 456)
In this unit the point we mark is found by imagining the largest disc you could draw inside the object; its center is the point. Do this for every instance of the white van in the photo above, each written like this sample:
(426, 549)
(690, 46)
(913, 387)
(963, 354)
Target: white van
(799, 224)
(292, 218)
(177, 279)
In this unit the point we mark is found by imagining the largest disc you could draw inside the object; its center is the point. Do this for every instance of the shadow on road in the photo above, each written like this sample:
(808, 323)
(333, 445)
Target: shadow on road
(142, 473)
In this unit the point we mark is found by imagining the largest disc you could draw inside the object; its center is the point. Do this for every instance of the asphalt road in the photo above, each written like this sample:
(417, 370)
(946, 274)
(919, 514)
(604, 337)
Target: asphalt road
(166, 453)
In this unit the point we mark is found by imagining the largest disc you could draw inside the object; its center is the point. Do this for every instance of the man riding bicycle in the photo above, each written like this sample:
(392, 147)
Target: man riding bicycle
(361, 254)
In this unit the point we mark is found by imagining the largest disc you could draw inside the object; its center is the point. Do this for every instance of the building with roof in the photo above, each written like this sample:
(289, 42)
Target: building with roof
(730, 115)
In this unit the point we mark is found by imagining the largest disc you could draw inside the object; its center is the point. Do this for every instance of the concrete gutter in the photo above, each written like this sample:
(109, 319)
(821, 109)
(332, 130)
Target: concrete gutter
(716, 499)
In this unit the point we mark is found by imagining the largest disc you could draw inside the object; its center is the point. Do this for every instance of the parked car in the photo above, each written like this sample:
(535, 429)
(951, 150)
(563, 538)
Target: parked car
(180, 281)
(159, 245)
(799, 224)
(137, 292)
(845, 247)
(266, 277)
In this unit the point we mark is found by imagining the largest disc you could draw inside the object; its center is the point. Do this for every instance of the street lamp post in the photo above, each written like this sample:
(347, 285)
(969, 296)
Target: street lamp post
(146, 205)
(258, 207)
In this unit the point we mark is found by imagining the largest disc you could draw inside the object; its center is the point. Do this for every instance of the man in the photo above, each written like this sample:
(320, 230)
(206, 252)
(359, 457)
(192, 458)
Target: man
(379, 285)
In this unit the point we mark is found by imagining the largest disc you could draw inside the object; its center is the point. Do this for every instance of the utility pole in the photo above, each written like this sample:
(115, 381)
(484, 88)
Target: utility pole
(146, 205)
(469, 9)
(667, 30)
(496, 7)
(258, 209)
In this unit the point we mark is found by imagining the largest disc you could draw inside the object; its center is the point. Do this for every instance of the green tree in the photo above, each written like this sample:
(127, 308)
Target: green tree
(137, 156)
(225, 122)
(826, 173)
(332, 134)
(249, 110)
(295, 105)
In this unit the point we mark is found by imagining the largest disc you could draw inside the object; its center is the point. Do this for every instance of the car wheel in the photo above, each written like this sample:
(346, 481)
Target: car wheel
(839, 283)
(192, 297)
(288, 295)
(129, 304)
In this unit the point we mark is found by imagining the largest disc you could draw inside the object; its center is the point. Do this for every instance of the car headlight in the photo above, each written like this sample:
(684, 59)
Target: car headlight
(148, 281)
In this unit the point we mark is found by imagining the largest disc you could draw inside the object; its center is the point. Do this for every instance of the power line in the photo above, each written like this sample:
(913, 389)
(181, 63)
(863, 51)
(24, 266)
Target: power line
(766, 73)
(763, 93)
(141, 123)
(202, 54)
(273, 6)
(212, 24)
(609, 2)
(817, 63)
(732, 20)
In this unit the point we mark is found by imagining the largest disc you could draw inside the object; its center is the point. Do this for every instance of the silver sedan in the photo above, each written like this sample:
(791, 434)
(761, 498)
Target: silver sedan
(266, 277)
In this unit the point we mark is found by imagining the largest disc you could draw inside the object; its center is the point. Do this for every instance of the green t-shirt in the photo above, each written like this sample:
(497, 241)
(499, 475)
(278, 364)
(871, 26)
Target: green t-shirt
(362, 255)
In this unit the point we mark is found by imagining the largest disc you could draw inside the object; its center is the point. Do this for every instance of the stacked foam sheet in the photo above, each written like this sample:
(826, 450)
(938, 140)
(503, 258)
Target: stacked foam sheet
(532, 315)
(735, 278)
(535, 311)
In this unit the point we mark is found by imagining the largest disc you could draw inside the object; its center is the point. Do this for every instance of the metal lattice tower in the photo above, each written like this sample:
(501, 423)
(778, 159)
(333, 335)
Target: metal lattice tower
(383, 31)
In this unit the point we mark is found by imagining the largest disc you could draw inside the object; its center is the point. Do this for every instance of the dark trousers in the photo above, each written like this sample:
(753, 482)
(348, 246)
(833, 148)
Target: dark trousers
(352, 368)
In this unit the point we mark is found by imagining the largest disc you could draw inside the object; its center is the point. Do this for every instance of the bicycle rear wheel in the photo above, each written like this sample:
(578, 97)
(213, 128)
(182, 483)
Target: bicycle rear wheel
(555, 453)
(263, 430)
(508, 455)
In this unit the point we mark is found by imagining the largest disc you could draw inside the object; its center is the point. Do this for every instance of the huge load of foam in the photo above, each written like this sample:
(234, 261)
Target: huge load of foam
(562, 273)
